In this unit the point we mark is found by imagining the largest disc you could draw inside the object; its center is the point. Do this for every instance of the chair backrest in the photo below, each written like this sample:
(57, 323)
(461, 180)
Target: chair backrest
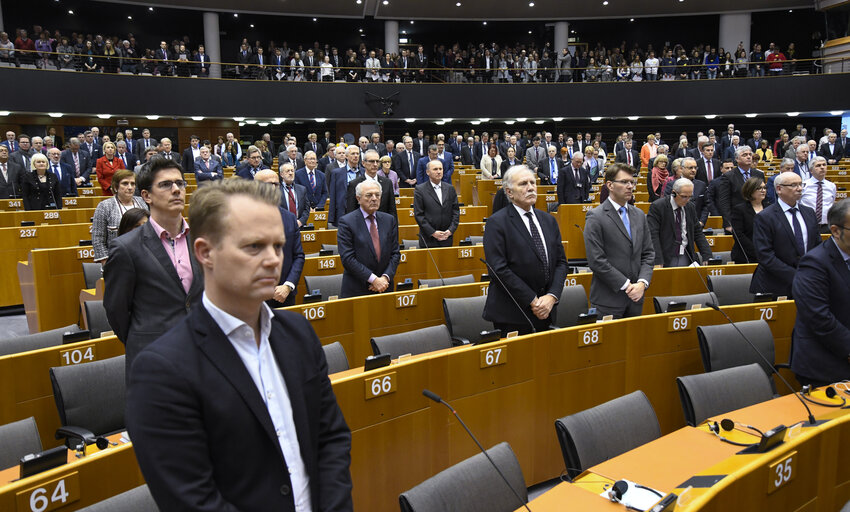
(708, 394)
(91, 395)
(91, 273)
(464, 279)
(605, 431)
(476, 239)
(134, 500)
(410, 244)
(573, 302)
(731, 289)
(35, 341)
(415, 342)
(723, 347)
(725, 256)
(661, 303)
(96, 319)
(472, 485)
(17, 439)
(335, 354)
(327, 285)
(331, 247)
(463, 317)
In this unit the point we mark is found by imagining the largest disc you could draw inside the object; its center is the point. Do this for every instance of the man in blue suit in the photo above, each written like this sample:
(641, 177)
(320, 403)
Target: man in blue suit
(368, 245)
(339, 180)
(782, 233)
(421, 175)
(311, 178)
(254, 164)
(79, 160)
(10, 142)
(821, 336)
(293, 253)
(64, 173)
(448, 161)
(293, 196)
(208, 168)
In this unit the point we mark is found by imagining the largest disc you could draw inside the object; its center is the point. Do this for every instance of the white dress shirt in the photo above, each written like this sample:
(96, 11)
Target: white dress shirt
(265, 372)
(522, 213)
(682, 225)
(437, 190)
(800, 219)
(810, 194)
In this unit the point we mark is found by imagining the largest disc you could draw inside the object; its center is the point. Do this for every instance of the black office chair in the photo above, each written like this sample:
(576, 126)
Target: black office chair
(330, 247)
(605, 431)
(410, 244)
(572, 303)
(463, 318)
(661, 303)
(471, 485)
(35, 341)
(92, 272)
(335, 355)
(96, 318)
(476, 239)
(431, 283)
(706, 395)
(134, 500)
(420, 341)
(327, 285)
(18, 439)
(725, 256)
(731, 289)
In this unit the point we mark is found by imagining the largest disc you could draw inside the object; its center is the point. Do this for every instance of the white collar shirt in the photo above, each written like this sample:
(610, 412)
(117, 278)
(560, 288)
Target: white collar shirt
(522, 214)
(810, 195)
(805, 231)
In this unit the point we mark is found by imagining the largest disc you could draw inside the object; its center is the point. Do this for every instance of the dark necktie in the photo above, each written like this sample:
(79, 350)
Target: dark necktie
(798, 231)
(710, 170)
(291, 200)
(410, 161)
(312, 180)
(538, 244)
(57, 172)
(629, 157)
(678, 230)
(373, 233)
(819, 203)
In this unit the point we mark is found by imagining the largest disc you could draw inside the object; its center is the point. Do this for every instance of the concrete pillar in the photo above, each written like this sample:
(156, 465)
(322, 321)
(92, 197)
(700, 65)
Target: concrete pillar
(391, 36)
(562, 37)
(212, 42)
(735, 29)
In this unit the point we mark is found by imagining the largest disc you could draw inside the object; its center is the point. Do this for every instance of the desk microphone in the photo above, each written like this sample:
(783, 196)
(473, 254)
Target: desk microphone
(428, 249)
(752, 345)
(740, 245)
(433, 396)
(511, 295)
(579, 228)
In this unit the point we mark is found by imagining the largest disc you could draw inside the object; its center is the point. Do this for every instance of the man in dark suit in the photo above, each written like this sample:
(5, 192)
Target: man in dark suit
(337, 162)
(421, 143)
(207, 168)
(290, 154)
(573, 182)
(144, 143)
(619, 248)
(312, 179)
(730, 150)
(24, 153)
(78, 160)
(293, 196)
(718, 187)
(192, 153)
(405, 164)
(436, 209)
(253, 165)
(10, 175)
(523, 248)
(64, 173)
(151, 276)
(376, 144)
(736, 179)
(688, 170)
(236, 370)
(201, 63)
(448, 161)
(782, 233)
(371, 164)
(755, 141)
(467, 152)
(126, 156)
(831, 150)
(339, 180)
(368, 245)
(293, 253)
(708, 166)
(821, 288)
(313, 145)
(10, 142)
(627, 155)
(167, 153)
(675, 227)
(549, 169)
(421, 177)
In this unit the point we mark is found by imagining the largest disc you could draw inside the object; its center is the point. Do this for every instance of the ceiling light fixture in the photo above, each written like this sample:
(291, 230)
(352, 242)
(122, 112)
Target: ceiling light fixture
(793, 114)
(750, 116)
(484, 23)
(263, 124)
(710, 116)
(251, 121)
(448, 120)
(409, 119)
(521, 119)
(104, 116)
(836, 112)
(633, 118)
(197, 118)
(235, 14)
(130, 18)
(557, 119)
(605, 2)
(70, 12)
(458, 4)
(320, 119)
(440, 123)
(4, 112)
(55, 114)
(596, 119)
(531, 4)
(509, 121)
(669, 118)
(279, 120)
(152, 118)
(475, 123)
(150, 9)
(386, 2)
(238, 119)
(485, 119)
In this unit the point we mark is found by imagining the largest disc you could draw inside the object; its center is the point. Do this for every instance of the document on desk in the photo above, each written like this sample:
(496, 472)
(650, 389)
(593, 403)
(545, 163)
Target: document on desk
(637, 496)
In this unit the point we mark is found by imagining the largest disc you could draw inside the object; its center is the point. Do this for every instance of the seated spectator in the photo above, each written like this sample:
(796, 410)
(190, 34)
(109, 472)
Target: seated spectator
(40, 189)
(25, 48)
(109, 212)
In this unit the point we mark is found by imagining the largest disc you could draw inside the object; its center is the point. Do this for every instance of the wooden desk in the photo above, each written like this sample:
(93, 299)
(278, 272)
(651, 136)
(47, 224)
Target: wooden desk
(10, 219)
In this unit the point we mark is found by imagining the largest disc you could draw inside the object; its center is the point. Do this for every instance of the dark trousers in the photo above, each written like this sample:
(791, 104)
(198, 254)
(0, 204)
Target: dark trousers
(290, 301)
(523, 328)
(433, 242)
(814, 383)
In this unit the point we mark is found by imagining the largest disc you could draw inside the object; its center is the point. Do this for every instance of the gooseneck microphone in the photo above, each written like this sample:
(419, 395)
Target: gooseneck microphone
(435, 397)
(428, 249)
(740, 245)
(511, 295)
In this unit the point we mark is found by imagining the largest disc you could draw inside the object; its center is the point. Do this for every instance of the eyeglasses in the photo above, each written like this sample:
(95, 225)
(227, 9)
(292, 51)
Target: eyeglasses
(168, 184)
(792, 185)
(626, 182)
(372, 161)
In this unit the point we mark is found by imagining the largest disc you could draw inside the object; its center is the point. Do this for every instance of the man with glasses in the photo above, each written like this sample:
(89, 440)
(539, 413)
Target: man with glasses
(675, 227)
(151, 277)
(619, 248)
(782, 233)
(821, 288)
(371, 163)
(254, 164)
(736, 178)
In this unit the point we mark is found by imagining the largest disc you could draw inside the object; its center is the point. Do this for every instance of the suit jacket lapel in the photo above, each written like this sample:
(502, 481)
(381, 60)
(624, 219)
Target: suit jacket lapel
(519, 225)
(782, 218)
(154, 245)
(215, 345)
(364, 233)
(838, 262)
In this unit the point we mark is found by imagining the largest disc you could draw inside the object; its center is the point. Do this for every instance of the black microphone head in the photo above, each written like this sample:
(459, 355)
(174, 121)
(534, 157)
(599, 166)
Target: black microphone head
(727, 424)
(830, 392)
(482, 260)
(620, 488)
(433, 396)
(713, 306)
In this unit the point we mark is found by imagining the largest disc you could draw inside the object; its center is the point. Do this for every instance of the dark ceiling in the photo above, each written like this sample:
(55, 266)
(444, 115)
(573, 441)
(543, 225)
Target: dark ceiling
(537, 10)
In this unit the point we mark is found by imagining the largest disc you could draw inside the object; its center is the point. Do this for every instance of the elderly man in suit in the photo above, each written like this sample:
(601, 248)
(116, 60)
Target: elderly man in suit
(573, 181)
(821, 288)
(436, 209)
(675, 227)
(167, 152)
(311, 178)
(207, 169)
(234, 369)
(10, 175)
(433, 151)
(371, 163)
(735, 179)
(523, 248)
(79, 161)
(294, 196)
(253, 165)
(782, 233)
(128, 158)
(405, 164)
(619, 248)
(151, 277)
(141, 145)
(368, 245)
(293, 253)
(831, 150)
(688, 169)
(64, 173)
(339, 180)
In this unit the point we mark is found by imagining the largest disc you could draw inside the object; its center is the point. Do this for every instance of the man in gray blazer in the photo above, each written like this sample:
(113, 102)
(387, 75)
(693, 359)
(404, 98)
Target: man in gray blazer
(435, 208)
(151, 277)
(619, 248)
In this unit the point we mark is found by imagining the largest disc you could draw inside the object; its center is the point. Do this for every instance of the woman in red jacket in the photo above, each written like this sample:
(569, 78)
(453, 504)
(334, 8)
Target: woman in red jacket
(106, 167)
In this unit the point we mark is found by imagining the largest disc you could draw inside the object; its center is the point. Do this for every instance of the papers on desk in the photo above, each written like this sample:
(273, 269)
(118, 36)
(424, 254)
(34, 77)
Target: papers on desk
(637, 496)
